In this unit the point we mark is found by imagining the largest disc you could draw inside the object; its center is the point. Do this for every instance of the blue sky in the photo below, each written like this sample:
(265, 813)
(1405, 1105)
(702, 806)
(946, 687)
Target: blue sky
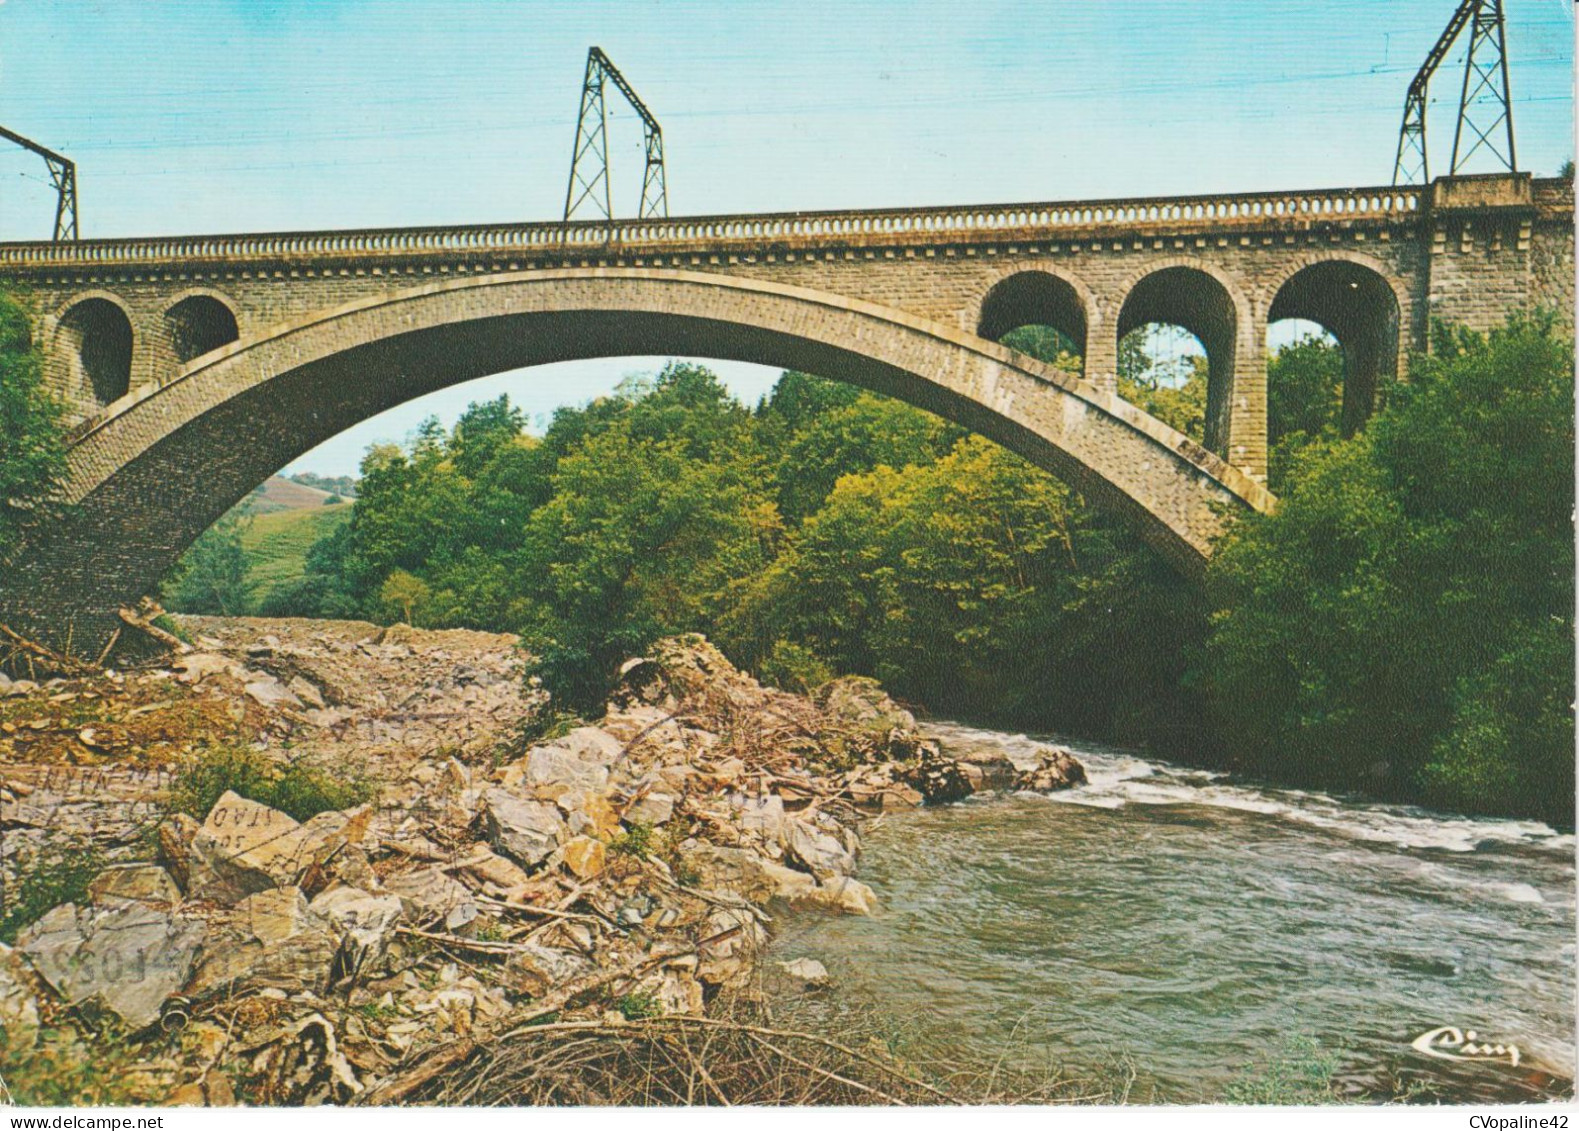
(208, 115)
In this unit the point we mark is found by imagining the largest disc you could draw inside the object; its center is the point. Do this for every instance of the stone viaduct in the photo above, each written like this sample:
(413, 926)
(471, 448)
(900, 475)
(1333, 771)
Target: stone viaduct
(197, 366)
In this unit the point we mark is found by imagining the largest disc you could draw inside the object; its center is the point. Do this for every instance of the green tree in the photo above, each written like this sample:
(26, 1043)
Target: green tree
(1172, 391)
(1380, 629)
(837, 433)
(211, 577)
(480, 432)
(1046, 344)
(639, 540)
(32, 436)
(405, 593)
(1304, 400)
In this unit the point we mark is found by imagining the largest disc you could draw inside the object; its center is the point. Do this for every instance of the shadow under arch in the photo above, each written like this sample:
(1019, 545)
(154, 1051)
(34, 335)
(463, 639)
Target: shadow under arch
(150, 477)
(199, 324)
(1195, 300)
(95, 336)
(1356, 305)
(1034, 298)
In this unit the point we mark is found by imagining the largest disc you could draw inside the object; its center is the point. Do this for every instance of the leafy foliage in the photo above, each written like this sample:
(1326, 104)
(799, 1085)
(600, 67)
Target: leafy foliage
(1304, 398)
(32, 434)
(59, 876)
(299, 789)
(1174, 391)
(211, 577)
(1404, 621)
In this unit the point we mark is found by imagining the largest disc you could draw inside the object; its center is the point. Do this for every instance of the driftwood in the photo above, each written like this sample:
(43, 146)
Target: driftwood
(37, 653)
(396, 1088)
(144, 624)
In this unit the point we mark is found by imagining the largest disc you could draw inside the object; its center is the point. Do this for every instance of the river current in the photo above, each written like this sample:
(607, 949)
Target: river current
(1193, 924)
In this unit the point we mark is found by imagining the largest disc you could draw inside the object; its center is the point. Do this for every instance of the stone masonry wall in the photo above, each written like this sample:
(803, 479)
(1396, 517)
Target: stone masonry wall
(1470, 255)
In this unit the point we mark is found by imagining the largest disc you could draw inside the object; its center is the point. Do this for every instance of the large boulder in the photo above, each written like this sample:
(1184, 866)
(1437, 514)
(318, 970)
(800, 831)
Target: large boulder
(131, 958)
(363, 923)
(763, 816)
(268, 939)
(939, 779)
(845, 895)
(881, 786)
(789, 884)
(432, 894)
(819, 852)
(804, 973)
(526, 831)
(580, 759)
(1058, 769)
(986, 769)
(245, 847)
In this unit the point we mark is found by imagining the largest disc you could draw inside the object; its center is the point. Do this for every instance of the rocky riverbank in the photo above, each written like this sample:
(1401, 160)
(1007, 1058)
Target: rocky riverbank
(314, 862)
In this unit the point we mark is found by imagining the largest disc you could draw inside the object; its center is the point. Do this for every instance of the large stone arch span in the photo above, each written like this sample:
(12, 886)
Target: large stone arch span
(163, 463)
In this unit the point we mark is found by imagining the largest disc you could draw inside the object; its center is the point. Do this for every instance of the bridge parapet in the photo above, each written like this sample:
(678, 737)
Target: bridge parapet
(1047, 220)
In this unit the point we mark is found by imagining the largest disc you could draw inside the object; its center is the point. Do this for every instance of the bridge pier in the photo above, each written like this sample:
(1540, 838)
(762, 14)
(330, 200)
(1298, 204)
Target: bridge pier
(1101, 359)
(1243, 436)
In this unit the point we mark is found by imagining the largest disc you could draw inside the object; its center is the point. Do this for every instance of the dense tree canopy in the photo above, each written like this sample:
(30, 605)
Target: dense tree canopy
(1402, 624)
(1404, 621)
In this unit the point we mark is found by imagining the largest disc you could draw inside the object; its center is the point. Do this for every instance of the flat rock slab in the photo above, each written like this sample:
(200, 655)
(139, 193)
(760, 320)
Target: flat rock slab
(134, 883)
(131, 957)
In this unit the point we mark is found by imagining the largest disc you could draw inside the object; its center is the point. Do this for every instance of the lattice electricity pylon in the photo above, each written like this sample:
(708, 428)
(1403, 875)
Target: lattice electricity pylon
(1486, 90)
(592, 146)
(63, 176)
(1482, 75)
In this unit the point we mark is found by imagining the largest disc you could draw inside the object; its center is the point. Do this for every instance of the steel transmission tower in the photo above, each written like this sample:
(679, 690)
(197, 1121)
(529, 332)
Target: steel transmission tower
(63, 176)
(1485, 110)
(589, 160)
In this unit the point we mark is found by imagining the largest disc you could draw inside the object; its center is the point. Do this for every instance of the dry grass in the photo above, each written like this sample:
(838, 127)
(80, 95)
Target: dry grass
(740, 1054)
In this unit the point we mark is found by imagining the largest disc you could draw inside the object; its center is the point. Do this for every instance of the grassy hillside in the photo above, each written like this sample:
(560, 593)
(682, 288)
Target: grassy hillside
(276, 544)
(278, 494)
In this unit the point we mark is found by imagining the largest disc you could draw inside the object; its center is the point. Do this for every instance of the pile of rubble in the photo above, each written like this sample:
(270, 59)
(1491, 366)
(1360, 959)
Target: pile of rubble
(621, 870)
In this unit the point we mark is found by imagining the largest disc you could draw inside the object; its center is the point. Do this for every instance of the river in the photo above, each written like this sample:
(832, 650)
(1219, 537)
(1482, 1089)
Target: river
(1192, 924)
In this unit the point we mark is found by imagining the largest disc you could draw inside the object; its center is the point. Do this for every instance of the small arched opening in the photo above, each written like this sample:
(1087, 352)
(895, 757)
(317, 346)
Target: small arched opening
(97, 335)
(1358, 309)
(1176, 351)
(198, 324)
(1036, 313)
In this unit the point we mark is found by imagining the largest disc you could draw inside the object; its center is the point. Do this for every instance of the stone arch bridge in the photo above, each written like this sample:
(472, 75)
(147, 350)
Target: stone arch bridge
(197, 366)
